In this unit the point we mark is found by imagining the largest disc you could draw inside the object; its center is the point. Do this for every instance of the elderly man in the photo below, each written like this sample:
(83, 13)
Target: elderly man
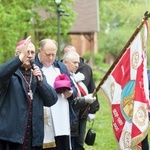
(22, 99)
(71, 59)
(58, 116)
(88, 111)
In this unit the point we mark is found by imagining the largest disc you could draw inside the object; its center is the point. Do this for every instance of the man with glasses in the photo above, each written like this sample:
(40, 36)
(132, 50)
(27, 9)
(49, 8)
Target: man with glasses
(22, 99)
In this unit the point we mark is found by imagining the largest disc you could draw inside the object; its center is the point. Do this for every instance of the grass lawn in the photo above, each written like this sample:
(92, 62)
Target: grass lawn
(105, 139)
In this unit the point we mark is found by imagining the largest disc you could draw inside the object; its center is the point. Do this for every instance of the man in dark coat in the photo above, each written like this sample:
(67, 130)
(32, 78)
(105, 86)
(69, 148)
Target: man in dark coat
(88, 112)
(71, 60)
(21, 101)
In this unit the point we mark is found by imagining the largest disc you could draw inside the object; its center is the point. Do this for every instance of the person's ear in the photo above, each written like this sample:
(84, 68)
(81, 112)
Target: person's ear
(39, 50)
(17, 53)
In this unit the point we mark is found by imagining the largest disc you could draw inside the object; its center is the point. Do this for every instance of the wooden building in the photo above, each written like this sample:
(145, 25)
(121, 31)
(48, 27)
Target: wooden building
(84, 33)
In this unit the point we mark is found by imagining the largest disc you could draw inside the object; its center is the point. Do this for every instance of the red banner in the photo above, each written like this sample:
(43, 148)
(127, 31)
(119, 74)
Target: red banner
(127, 90)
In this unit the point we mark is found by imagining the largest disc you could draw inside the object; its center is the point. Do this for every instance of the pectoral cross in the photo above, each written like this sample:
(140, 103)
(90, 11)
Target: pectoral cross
(30, 94)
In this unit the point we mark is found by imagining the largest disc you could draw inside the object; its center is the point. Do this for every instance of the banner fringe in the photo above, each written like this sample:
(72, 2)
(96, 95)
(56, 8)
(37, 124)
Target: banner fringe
(140, 138)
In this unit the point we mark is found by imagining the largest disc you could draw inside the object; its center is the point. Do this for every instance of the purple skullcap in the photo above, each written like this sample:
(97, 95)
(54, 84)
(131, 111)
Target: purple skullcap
(20, 42)
(62, 83)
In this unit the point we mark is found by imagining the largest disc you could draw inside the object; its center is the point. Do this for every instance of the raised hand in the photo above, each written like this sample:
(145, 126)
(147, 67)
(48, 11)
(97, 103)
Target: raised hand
(23, 48)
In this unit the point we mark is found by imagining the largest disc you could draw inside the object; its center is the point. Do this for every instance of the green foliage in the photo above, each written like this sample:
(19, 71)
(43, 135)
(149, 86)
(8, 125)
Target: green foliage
(98, 66)
(98, 58)
(114, 41)
(19, 18)
(87, 56)
(99, 70)
(118, 21)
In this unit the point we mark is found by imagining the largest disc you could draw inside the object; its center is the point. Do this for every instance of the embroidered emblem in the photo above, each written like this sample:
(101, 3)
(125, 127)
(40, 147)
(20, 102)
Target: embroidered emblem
(135, 59)
(126, 140)
(140, 116)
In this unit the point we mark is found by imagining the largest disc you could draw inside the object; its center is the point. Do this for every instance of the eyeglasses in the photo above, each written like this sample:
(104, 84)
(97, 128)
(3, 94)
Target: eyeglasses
(29, 52)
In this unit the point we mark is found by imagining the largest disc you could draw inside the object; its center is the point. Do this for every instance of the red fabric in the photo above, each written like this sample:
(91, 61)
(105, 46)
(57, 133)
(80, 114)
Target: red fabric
(81, 90)
(123, 76)
(127, 90)
(118, 120)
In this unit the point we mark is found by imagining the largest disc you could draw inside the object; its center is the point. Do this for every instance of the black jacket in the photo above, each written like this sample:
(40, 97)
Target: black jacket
(78, 103)
(90, 84)
(14, 104)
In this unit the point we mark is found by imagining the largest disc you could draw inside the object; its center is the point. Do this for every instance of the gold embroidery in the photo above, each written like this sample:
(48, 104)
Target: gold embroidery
(140, 116)
(135, 59)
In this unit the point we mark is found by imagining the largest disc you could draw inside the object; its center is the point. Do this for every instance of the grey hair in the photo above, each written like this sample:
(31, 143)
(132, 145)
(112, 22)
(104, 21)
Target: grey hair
(70, 55)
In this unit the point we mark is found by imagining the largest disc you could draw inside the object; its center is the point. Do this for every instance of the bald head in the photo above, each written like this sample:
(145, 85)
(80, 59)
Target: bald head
(68, 48)
(48, 42)
(47, 51)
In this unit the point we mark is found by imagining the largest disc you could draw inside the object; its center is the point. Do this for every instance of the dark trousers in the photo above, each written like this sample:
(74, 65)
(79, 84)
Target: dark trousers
(79, 141)
(62, 142)
(5, 145)
(73, 139)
